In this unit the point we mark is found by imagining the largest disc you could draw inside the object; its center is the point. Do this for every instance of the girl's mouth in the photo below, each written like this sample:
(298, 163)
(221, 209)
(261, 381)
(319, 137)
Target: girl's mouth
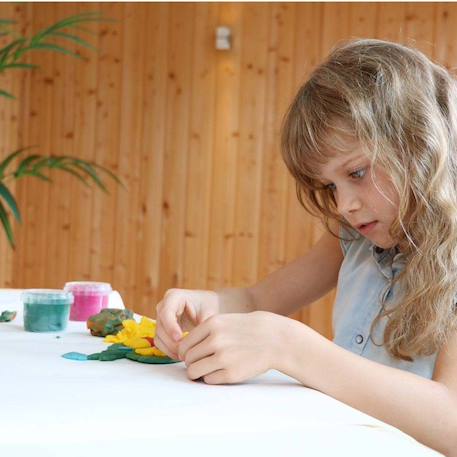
(366, 228)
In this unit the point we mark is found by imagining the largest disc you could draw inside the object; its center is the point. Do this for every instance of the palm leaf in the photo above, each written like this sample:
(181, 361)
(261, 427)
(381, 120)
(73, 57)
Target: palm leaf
(46, 162)
(66, 163)
(88, 31)
(8, 197)
(88, 169)
(9, 158)
(91, 168)
(19, 66)
(34, 165)
(109, 173)
(67, 22)
(75, 39)
(75, 174)
(6, 225)
(40, 176)
(23, 166)
(55, 48)
(12, 53)
(7, 50)
(6, 94)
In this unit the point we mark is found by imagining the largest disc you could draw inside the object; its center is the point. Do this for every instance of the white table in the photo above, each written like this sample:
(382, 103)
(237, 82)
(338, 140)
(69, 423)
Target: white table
(52, 406)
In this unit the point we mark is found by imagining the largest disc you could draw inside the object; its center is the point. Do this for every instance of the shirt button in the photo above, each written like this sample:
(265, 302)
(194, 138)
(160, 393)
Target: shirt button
(359, 339)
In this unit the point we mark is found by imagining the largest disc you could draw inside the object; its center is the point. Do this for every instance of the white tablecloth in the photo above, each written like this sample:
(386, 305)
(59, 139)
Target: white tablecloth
(51, 406)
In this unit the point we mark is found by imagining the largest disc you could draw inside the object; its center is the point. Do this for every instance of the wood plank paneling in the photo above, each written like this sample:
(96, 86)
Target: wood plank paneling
(274, 192)
(179, 71)
(390, 23)
(107, 140)
(40, 236)
(126, 243)
(84, 134)
(10, 112)
(362, 19)
(24, 23)
(446, 35)
(57, 223)
(225, 146)
(152, 158)
(200, 157)
(420, 25)
(250, 154)
(194, 134)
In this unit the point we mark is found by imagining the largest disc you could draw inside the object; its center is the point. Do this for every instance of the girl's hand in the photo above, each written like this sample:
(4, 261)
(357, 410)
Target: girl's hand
(230, 348)
(181, 310)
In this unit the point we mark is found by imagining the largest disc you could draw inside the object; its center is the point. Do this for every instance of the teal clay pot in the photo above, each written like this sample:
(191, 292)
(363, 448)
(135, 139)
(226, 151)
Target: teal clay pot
(46, 310)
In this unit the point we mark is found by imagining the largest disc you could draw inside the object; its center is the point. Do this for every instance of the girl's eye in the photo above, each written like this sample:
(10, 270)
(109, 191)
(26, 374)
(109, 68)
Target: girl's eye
(357, 174)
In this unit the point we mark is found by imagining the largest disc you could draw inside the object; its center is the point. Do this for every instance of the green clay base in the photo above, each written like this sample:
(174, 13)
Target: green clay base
(149, 358)
(119, 351)
(113, 352)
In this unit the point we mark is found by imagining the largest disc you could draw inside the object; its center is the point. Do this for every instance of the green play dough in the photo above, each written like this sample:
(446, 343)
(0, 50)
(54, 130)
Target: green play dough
(7, 316)
(149, 358)
(108, 321)
(114, 352)
(119, 351)
(106, 356)
(46, 310)
(46, 317)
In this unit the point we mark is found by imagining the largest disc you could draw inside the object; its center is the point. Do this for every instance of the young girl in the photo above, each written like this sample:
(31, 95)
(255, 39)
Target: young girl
(371, 140)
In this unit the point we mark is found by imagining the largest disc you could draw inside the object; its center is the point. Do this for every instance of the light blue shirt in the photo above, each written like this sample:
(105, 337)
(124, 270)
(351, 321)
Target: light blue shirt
(365, 277)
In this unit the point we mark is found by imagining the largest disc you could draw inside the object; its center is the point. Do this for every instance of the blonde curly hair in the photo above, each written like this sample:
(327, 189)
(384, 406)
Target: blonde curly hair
(402, 108)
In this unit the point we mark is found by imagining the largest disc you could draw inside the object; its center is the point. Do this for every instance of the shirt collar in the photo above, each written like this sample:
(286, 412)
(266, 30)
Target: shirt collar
(389, 261)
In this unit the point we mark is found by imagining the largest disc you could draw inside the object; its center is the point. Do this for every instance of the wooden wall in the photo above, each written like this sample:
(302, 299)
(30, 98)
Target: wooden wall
(193, 133)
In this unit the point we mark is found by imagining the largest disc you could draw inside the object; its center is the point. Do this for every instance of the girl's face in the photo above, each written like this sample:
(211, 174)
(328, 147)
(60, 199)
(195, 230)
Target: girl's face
(365, 197)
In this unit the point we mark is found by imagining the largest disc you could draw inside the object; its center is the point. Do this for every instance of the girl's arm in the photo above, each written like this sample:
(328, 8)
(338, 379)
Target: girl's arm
(297, 284)
(425, 409)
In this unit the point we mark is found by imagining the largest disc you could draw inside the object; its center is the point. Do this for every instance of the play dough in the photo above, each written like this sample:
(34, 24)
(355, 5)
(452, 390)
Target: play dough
(108, 321)
(7, 316)
(134, 342)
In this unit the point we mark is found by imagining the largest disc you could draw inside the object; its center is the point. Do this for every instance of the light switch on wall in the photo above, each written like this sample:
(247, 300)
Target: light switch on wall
(223, 37)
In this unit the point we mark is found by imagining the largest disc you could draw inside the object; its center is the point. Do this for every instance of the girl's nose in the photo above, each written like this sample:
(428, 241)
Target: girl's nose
(348, 203)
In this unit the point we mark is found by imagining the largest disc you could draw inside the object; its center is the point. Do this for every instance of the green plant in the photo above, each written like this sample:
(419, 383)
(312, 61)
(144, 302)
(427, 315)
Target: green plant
(35, 165)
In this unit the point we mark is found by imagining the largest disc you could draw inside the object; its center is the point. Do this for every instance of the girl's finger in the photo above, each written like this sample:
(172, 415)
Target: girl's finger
(206, 314)
(161, 333)
(199, 352)
(196, 335)
(203, 367)
(217, 377)
(168, 311)
(159, 344)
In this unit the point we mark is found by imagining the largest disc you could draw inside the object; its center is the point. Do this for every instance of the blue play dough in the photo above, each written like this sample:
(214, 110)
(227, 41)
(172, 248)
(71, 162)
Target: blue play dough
(75, 356)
